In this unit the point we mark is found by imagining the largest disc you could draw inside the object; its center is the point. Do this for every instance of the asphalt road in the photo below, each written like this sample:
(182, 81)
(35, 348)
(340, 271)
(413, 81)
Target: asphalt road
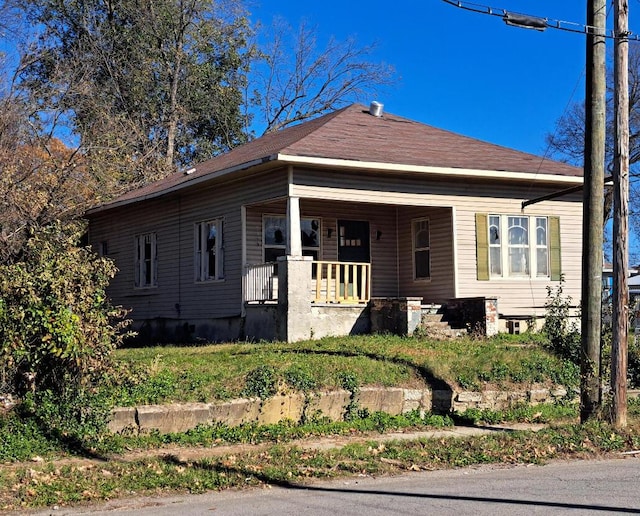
(582, 487)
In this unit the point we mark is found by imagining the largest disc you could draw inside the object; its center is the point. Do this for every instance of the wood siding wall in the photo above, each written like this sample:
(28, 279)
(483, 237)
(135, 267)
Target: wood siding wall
(463, 198)
(172, 218)
(389, 202)
(441, 286)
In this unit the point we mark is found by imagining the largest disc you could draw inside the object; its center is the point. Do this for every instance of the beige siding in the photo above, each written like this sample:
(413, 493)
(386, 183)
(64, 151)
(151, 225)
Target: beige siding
(172, 218)
(389, 202)
(522, 297)
(465, 198)
(441, 285)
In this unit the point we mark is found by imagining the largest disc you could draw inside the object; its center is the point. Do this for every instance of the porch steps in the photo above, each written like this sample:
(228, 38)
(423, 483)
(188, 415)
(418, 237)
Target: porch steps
(434, 323)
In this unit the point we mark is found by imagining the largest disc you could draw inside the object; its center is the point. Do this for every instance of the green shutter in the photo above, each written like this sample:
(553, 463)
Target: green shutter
(554, 248)
(482, 246)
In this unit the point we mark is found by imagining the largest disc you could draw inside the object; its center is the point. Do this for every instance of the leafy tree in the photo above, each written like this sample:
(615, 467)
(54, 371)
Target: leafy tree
(146, 85)
(295, 80)
(40, 185)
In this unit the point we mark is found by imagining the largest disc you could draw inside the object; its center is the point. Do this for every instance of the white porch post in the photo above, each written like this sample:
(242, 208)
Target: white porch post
(294, 239)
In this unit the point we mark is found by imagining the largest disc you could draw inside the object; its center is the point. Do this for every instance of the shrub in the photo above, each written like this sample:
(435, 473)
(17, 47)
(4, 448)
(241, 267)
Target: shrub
(563, 334)
(56, 323)
(262, 382)
(57, 327)
(300, 378)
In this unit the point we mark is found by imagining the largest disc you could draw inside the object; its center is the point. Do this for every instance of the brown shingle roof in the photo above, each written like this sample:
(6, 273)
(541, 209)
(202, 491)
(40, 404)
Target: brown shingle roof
(352, 134)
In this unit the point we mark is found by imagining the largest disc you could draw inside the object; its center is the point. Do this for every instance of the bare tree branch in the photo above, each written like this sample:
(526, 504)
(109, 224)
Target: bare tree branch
(295, 81)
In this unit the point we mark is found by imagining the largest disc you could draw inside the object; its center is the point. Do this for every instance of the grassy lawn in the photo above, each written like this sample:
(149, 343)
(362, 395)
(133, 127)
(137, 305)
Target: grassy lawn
(214, 372)
(59, 484)
(61, 474)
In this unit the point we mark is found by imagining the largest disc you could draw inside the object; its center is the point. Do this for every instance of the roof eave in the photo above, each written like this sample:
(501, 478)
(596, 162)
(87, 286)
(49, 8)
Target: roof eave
(184, 184)
(426, 169)
(346, 164)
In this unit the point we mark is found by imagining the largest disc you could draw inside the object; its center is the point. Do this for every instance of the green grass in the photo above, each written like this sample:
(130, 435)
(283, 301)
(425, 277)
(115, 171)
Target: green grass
(218, 372)
(48, 484)
(23, 439)
(522, 413)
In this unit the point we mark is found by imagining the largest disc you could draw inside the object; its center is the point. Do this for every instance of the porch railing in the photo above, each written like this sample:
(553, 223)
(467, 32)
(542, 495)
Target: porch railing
(260, 283)
(341, 282)
(333, 282)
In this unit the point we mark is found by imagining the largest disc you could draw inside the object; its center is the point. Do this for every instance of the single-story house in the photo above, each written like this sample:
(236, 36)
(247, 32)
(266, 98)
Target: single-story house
(352, 222)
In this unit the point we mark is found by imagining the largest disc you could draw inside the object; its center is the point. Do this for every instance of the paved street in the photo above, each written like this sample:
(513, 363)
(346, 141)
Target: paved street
(586, 487)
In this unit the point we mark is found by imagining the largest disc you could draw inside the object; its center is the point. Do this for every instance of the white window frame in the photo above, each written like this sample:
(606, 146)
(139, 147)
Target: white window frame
(531, 248)
(144, 263)
(203, 255)
(306, 249)
(416, 227)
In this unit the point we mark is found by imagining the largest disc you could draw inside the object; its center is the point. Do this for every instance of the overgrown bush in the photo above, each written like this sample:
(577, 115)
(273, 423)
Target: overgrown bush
(300, 378)
(565, 339)
(57, 326)
(562, 331)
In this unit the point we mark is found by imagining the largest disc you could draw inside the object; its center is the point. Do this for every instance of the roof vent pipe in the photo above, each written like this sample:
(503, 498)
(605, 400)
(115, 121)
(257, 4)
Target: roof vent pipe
(376, 108)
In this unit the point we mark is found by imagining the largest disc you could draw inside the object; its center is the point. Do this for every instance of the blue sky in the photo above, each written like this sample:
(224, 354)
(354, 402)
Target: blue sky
(462, 71)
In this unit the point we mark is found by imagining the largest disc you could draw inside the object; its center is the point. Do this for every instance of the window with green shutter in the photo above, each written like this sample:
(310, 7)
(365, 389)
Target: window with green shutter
(517, 246)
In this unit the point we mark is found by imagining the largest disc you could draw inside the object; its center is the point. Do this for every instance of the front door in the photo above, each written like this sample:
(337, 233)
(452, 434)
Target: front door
(353, 241)
(353, 246)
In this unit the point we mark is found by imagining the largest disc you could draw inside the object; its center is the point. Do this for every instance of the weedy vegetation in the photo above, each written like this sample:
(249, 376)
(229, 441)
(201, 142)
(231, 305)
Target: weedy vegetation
(66, 424)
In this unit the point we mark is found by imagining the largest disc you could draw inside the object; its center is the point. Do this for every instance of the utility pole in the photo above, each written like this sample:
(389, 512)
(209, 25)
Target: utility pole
(620, 321)
(593, 210)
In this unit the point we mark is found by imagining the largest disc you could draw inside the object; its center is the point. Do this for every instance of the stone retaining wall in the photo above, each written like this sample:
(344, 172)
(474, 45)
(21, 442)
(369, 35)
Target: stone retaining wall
(500, 400)
(181, 417)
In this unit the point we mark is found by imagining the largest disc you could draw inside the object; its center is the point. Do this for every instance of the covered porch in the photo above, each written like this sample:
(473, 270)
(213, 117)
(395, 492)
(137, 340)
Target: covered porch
(316, 268)
(332, 282)
(392, 249)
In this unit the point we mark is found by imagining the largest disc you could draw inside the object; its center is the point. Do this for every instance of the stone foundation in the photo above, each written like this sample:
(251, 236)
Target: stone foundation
(501, 400)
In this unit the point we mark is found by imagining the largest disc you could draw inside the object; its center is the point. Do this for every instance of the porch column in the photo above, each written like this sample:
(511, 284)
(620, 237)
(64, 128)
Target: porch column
(294, 298)
(294, 239)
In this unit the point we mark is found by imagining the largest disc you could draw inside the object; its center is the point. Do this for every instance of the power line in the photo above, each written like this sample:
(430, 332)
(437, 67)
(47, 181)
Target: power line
(539, 23)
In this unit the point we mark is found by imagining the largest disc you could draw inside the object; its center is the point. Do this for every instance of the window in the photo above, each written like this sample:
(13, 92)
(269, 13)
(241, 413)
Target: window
(208, 255)
(146, 264)
(275, 237)
(517, 246)
(421, 249)
(495, 249)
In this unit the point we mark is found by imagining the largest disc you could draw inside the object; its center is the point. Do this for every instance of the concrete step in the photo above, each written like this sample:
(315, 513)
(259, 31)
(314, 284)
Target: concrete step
(435, 324)
(432, 308)
(442, 330)
(429, 318)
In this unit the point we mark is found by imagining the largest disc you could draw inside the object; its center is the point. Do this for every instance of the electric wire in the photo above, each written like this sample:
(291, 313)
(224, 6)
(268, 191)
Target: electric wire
(541, 23)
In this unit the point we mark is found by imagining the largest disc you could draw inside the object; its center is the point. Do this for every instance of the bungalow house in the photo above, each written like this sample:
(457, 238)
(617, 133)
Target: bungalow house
(352, 222)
